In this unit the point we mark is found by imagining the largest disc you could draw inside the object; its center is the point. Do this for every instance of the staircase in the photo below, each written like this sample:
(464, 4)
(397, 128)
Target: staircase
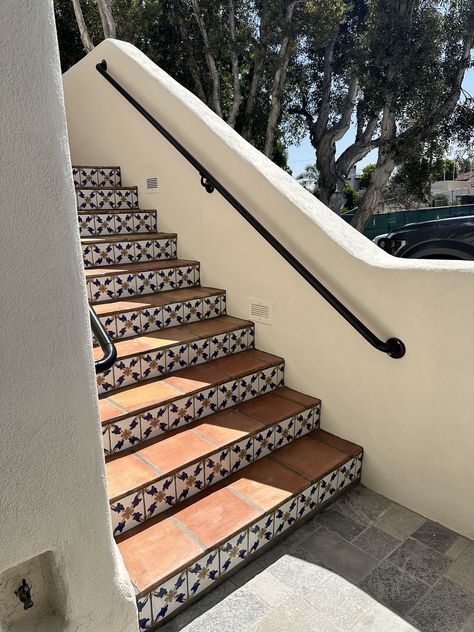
(209, 456)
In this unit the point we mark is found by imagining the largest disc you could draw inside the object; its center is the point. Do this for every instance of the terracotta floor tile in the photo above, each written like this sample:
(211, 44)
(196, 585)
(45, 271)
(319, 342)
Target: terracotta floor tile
(214, 517)
(310, 458)
(108, 410)
(227, 426)
(156, 551)
(295, 396)
(215, 326)
(240, 363)
(129, 347)
(127, 473)
(132, 268)
(176, 450)
(170, 336)
(121, 306)
(193, 378)
(267, 357)
(138, 397)
(351, 449)
(267, 483)
(270, 408)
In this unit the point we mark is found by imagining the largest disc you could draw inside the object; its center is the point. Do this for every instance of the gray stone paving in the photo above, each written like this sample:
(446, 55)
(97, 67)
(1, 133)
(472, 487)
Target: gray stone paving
(364, 565)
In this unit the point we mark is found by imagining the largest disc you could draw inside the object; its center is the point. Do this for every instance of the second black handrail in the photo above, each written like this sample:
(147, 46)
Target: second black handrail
(108, 348)
(394, 347)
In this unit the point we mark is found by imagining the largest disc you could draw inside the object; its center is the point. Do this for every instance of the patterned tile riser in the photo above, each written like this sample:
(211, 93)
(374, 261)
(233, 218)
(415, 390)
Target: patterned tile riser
(115, 223)
(156, 606)
(107, 254)
(107, 288)
(148, 365)
(148, 424)
(149, 319)
(114, 199)
(133, 509)
(96, 176)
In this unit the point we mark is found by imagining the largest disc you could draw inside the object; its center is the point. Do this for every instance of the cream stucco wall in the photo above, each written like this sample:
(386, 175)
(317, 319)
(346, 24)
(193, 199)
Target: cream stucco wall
(52, 491)
(413, 416)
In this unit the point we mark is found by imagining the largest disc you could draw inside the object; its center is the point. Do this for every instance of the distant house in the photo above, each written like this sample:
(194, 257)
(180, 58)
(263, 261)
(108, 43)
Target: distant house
(454, 189)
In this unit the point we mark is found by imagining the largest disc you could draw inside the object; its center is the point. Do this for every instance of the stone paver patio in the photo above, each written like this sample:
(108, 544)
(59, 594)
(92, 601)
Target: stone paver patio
(364, 565)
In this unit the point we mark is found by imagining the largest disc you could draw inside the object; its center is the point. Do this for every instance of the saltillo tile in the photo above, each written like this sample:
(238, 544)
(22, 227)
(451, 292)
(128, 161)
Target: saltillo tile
(227, 426)
(300, 456)
(149, 394)
(270, 407)
(171, 452)
(127, 473)
(336, 442)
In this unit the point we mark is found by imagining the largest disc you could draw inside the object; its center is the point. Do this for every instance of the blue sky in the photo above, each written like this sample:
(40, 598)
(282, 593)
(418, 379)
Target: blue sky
(301, 155)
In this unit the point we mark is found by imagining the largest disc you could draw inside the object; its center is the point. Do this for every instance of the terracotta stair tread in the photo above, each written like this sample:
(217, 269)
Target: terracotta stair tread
(176, 450)
(109, 188)
(115, 211)
(144, 301)
(142, 396)
(133, 268)
(126, 237)
(170, 336)
(164, 546)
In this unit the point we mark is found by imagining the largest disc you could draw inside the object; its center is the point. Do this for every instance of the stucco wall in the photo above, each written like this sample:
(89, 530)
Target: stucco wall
(413, 416)
(52, 491)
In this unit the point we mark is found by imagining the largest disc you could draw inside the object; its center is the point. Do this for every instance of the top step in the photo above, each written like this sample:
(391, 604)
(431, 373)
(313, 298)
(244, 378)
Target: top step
(90, 176)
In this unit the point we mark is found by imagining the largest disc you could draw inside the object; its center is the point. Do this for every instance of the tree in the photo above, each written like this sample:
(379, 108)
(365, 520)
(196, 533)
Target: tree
(83, 31)
(308, 178)
(366, 173)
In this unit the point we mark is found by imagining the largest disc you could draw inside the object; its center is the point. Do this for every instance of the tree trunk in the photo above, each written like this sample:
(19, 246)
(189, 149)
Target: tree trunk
(191, 59)
(279, 80)
(234, 110)
(211, 62)
(107, 18)
(83, 32)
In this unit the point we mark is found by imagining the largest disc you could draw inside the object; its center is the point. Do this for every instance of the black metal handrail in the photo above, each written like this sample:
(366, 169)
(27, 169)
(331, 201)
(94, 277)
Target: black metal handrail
(105, 342)
(394, 347)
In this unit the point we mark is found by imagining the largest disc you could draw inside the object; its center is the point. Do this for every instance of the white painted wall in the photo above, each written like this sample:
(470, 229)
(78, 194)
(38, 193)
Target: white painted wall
(413, 416)
(52, 491)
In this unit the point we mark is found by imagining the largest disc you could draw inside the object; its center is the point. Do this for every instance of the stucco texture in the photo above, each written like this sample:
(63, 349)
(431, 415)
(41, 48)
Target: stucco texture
(413, 416)
(52, 491)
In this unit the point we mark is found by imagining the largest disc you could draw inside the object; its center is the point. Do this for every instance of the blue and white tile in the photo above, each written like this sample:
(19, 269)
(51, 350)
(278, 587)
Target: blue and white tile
(328, 487)
(154, 422)
(169, 596)
(128, 324)
(181, 412)
(153, 364)
(192, 310)
(260, 533)
(110, 325)
(285, 515)
(105, 224)
(317, 416)
(264, 442)
(248, 387)
(162, 249)
(347, 473)
(102, 289)
(159, 496)
(228, 394)
(185, 277)
(105, 381)
(268, 380)
(76, 176)
(177, 357)
(217, 466)
(106, 178)
(125, 199)
(86, 200)
(233, 552)
(238, 340)
(173, 314)
(124, 434)
(125, 285)
(144, 612)
(124, 223)
(166, 279)
(127, 371)
(251, 338)
(146, 282)
(87, 256)
(304, 423)
(89, 177)
(106, 440)
(124, 252)
(105, 198)
(127, 512)
(197, 275)
(144, 222)
(144, 251)
(241, 454)
(173, 248)
(86, 225)
(199, 351)
(189, 481)
(358, 467)
(308, 500)
(219, 346)
(203, 573)
(151, 319)
(211, 306)
(284, 432)
(281, 374)
(103, 254)
(205, 403)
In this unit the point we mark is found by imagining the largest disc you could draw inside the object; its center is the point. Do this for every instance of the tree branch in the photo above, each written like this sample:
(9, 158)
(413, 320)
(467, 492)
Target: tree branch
(234, 110)
(81, 23)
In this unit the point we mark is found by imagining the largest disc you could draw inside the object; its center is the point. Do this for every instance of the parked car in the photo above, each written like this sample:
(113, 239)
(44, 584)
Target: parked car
(450, 238)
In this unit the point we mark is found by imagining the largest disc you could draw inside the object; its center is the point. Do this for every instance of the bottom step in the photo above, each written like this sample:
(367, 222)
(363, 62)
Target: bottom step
(176, 558)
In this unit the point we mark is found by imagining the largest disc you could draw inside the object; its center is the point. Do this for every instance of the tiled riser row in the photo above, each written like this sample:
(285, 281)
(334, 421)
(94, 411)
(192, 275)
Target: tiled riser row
(136, 322)
(96, 176)
(174, 593)
(118, 286)
(149, 365)
(107, 254)
(139, 427)
(120, 199)
(100, 224)
(133, 509)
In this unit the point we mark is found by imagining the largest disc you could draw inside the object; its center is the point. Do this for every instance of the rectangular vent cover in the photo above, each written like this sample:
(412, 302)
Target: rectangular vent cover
(151, 185)
(260, 310)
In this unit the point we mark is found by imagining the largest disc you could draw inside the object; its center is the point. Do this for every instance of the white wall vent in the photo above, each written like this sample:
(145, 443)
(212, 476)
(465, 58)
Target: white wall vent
(151, 185)
(260, 310)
